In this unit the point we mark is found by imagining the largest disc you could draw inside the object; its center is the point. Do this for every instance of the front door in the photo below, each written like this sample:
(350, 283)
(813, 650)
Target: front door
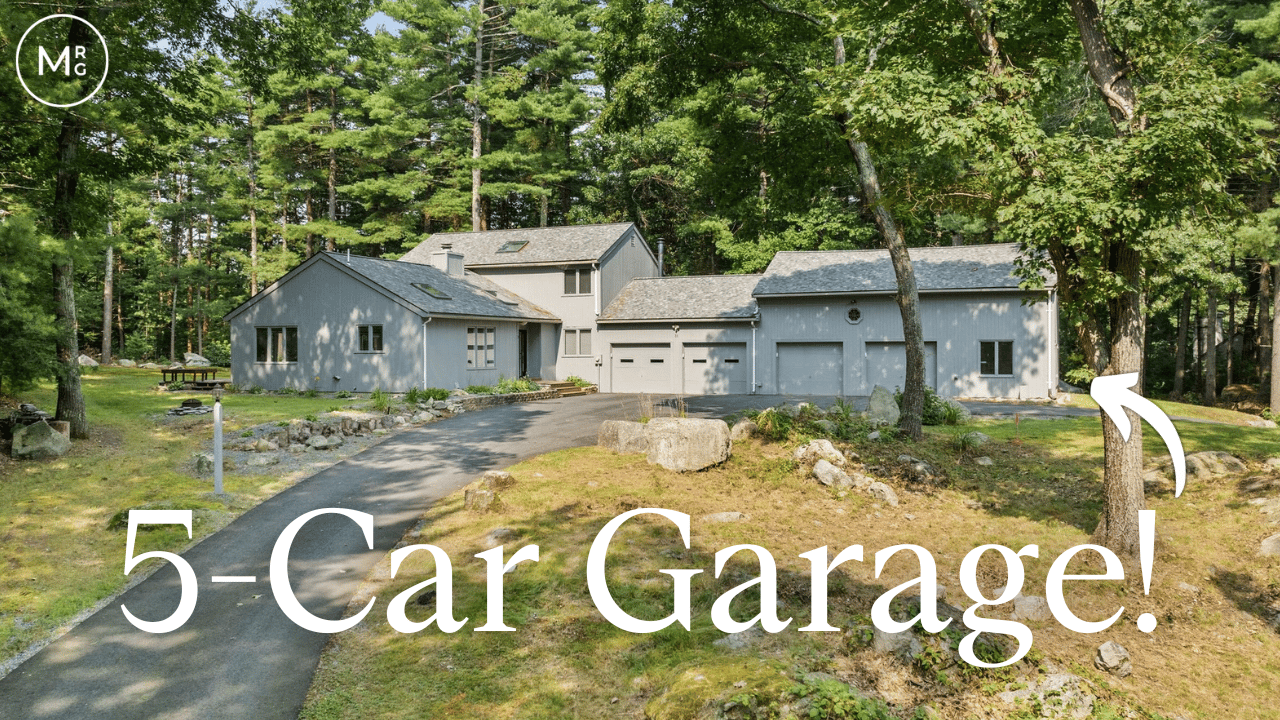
(523, 343)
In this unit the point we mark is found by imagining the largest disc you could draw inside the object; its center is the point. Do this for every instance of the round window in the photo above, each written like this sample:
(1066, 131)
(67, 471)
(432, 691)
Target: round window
(855, 316)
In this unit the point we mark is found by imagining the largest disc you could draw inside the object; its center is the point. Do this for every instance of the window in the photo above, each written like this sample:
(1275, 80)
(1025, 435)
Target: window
(577, 282)
(369, 339)
(277, 344)
(433, 291)
(996, 357)
(577, 342)
(480, 348)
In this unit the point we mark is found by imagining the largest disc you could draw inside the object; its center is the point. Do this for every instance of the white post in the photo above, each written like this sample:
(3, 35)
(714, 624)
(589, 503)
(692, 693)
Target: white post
(217, 441)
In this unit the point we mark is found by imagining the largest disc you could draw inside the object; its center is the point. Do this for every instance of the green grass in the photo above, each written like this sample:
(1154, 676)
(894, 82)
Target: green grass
(60, 556)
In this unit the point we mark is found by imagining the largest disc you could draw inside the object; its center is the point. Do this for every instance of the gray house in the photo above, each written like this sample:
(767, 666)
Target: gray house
(827, 323)
(345, 322)
(467, 308)
(573, 272)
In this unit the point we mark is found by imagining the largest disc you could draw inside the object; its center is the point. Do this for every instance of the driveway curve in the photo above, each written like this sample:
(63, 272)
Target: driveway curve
(239, 656)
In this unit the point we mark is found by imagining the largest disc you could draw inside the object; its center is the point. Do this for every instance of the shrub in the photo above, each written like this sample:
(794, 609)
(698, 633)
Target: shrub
(287, 391)
(312, 392)
(255, 390)
(936, 409)
(434, 394)
(414, 396)
(335, 408)
(381, 401)
(311, 417)
(506, 386)
(343, 395)
(217, 352)
(480, 389)
(578, 381)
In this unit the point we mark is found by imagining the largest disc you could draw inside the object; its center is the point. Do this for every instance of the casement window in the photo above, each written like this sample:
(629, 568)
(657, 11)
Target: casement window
(577, 341)
(369, 338)
(995, 357)
(577, 282)
(277, 344)
(480, 348)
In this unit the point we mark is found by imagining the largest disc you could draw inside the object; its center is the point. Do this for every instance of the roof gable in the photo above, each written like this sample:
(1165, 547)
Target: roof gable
(526, 246)
(849, 272)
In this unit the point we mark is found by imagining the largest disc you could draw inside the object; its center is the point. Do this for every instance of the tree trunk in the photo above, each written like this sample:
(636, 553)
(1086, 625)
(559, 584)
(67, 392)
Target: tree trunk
(1265, 291)
(1122, 464)
(253, 210)
(108, 294)
(1180, 354)
(1231, 328)
(908, 295)
(333, 168)
(476, 139)
(70, 397)
(1122, 474)
(1211, 346)
(1275, 333)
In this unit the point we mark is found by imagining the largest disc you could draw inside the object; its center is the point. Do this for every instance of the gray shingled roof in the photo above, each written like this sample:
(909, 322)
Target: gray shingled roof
(574, 243)
(470, 295)
(966, 267)
(684, 298)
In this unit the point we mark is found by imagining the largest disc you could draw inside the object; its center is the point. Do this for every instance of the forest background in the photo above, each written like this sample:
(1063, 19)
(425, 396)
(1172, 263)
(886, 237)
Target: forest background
(231, 141)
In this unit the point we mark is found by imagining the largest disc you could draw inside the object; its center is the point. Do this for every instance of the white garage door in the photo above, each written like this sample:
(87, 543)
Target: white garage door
(887, 365)
(640, 368)
(716, 369)
(811, 368)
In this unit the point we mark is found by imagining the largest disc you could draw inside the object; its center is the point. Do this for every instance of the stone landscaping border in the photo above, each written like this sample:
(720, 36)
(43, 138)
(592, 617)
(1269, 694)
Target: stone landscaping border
(479, 402)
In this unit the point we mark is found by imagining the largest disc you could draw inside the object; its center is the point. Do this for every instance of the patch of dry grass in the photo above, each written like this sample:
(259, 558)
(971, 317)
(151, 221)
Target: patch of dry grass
(1212, 656)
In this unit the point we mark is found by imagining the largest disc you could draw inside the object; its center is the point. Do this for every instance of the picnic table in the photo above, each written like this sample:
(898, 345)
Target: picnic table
(200, 378)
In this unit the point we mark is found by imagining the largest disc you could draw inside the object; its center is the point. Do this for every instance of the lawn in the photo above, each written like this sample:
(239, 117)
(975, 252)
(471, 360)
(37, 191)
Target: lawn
(60, 556)
(1212, 656)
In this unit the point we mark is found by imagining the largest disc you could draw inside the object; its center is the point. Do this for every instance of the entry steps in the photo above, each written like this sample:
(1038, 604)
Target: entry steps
(566, 389)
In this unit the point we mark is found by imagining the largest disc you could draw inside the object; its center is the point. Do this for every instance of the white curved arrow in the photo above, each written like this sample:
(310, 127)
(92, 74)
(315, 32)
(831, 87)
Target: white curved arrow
(1113, 394)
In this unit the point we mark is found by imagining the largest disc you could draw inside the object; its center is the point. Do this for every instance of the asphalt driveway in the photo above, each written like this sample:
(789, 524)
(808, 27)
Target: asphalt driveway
(239, 656)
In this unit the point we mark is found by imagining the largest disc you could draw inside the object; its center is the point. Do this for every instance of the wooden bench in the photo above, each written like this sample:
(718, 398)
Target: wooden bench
(185, 375)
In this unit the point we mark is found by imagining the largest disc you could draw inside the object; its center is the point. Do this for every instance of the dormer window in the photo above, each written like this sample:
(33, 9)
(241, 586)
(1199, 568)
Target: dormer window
(577, 281)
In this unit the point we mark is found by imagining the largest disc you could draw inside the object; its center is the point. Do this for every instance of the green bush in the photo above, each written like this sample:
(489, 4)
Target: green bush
(480, 389)
(254, 390)
(434, 394)
(217, 352)
(343, 395)
(506, 386)
(287, 391)
(578, 381)
(381, 401)
(937, 411)
(312, 392)
(414, 396)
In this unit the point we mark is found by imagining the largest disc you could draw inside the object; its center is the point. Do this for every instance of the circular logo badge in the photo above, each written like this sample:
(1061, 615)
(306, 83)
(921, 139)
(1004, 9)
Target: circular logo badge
(55, 71)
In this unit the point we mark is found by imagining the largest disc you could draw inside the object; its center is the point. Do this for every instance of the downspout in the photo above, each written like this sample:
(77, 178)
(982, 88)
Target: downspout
(753, 356)
(425, 322)
(595, 285)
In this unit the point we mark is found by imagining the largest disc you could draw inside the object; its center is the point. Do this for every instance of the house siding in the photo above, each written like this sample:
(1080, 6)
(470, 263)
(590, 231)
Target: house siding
(955, 323)
(545, 287)
(628, 260)
(689, 337)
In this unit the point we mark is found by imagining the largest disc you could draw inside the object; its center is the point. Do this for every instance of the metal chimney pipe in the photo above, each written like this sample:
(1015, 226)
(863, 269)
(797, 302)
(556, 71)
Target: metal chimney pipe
(661, 251)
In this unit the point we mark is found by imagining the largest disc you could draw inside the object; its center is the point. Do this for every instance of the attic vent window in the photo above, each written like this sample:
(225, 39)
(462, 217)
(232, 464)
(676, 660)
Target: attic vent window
(432, 291)
(513, 246)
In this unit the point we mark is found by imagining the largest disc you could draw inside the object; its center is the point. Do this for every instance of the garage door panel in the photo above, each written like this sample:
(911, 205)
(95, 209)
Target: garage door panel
(887, 364)
(716, 369)
(640, 368)
(811, 368)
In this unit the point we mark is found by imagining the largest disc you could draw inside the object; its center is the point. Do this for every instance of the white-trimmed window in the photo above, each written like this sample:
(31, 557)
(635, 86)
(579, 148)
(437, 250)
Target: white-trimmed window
(577, 341)
(369, 338)
(277, 344)
(995, 357)
(577, 281)
(480, 348)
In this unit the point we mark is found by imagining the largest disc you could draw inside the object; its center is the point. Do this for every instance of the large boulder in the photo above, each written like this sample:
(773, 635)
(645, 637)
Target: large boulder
(39, 441)
(1271, 546)
(743, 429)
(819, 450)
(882, 409)
(828, 474)
(194, 360)
(685, 444)
(86, 361)
(1112, 657)
(125, 362)
(623, 437)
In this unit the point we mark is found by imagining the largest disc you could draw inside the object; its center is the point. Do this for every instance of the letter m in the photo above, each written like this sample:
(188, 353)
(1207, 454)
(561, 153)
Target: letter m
(65, 57)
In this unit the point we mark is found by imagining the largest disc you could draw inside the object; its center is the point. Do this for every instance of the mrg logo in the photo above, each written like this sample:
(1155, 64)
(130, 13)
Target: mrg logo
(62, 60)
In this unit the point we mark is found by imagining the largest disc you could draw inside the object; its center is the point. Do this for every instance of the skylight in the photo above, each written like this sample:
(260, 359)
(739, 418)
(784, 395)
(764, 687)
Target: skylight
(513, 246)
(432, 291)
